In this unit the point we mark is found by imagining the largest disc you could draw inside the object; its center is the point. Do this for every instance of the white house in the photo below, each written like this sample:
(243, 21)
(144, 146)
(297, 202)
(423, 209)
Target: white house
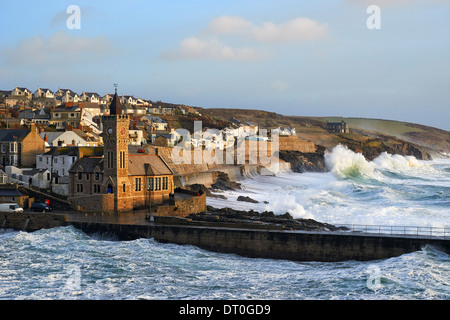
(66, 138)
(284, 131)
(58, 161)
(155, 123)
(128, 100)
(40, 178)
(21, 92)
(43, 93)
(136, 138)
(90, 97)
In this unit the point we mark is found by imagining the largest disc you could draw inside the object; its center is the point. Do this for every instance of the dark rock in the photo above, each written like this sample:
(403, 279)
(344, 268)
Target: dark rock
(305, 162)
(266, 218)
(223, 182)
(247, 199)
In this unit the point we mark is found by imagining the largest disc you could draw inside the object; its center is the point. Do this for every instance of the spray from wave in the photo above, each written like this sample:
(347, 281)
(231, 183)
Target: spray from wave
(345, 163)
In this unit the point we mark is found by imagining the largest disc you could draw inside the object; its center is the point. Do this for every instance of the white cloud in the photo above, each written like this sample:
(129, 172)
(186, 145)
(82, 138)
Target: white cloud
(280, 85)
(208, 46)
(298, 29)
(59, 49)
(195, 48)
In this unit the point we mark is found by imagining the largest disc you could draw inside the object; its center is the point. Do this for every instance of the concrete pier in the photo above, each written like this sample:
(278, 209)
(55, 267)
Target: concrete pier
(257, 243)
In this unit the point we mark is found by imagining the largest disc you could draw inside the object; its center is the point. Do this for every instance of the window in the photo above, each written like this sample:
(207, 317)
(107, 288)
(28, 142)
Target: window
(3, 148)
(13, 160)
(87, 176)
(150, 184)
(97, 176)
(80, 175)
(79, 187)
(124, 187)
(13, 147)
(137, 184)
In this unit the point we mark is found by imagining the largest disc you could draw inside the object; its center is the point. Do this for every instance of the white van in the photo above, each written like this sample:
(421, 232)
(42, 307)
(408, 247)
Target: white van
(10, 207)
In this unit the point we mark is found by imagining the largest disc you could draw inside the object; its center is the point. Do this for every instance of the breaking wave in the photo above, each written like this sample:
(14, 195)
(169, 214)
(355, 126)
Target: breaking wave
(345, 163)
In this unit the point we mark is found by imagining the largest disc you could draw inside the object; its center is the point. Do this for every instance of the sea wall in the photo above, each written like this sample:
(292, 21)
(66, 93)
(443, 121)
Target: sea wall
(32, 221)
(182, 207)
(296, 246)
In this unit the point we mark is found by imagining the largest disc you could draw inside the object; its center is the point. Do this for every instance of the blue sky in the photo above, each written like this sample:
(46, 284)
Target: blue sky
(311, 58)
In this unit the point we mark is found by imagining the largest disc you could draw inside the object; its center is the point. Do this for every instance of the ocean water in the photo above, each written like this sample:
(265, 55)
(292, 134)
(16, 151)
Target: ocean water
(64, 263)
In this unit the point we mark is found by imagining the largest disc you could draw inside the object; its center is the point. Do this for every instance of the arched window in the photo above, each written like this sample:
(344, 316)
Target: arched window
(124, 187)
(110, 188)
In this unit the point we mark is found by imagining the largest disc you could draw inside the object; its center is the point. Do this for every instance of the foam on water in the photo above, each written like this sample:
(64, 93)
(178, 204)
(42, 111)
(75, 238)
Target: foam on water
(145, 269)
(390, 190)
(64, 263)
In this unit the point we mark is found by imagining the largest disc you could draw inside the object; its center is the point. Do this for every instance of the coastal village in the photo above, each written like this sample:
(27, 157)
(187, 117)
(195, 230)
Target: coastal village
(106, 165)
(112, 153)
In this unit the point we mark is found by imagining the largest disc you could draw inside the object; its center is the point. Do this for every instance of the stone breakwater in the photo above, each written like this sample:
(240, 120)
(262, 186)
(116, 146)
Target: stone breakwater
(272, 241)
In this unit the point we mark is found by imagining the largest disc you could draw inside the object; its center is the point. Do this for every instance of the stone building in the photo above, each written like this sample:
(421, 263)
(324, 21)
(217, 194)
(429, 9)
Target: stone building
(338, 127)
(119, 181)
(19, 147)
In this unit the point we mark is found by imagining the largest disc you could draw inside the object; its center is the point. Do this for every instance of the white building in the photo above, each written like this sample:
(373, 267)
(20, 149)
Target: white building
(40, 178)
(67, 138)
(43, 93)
(155, 123)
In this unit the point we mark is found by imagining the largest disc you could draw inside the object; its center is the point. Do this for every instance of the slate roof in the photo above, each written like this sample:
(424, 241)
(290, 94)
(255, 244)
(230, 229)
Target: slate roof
(13, 134)
(87, 164)
(137, 165)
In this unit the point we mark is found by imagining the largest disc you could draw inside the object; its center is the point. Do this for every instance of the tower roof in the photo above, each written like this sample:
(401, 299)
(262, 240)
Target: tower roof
(115, 106)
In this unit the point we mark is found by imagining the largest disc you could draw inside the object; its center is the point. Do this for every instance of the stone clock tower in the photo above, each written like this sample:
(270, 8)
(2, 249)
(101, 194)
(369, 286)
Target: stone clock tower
(115, 163)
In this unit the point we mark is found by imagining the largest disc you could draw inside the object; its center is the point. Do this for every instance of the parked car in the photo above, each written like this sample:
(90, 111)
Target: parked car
(10, 207)
(40, 207)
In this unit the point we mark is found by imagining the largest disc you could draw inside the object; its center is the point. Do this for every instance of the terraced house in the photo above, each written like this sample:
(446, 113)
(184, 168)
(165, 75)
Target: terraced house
(19, 147)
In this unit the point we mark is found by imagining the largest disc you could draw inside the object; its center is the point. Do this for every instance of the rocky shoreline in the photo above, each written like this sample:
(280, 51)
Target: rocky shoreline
(267, 218)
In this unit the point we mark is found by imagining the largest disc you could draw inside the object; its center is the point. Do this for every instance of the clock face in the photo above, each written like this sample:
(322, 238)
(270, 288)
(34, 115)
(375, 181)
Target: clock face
(110, 130)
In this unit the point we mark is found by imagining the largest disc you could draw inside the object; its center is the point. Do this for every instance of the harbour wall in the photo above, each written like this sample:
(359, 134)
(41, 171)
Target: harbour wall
(254, 243)
(272, 244)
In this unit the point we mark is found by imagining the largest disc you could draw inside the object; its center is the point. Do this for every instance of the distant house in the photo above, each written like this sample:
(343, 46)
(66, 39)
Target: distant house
(284, 131)
(62, 117)
(73, 137)
(338, 127)
(10, 193)
(155, 123)
(43, 93)
(19, 147)
(58, 160)
(21, 92)
(90, 97)
(130, 100)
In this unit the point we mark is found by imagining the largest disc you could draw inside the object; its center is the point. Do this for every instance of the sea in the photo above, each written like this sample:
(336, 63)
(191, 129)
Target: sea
(392, 190)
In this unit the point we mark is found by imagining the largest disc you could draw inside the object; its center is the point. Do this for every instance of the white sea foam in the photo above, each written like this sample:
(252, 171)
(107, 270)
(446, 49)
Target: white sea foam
(390, 190)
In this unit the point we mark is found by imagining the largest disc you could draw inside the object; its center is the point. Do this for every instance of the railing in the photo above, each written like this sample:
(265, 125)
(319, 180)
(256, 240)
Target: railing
(442, 232)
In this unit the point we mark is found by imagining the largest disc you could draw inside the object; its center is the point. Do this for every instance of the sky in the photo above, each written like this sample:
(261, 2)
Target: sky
(292, 57)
